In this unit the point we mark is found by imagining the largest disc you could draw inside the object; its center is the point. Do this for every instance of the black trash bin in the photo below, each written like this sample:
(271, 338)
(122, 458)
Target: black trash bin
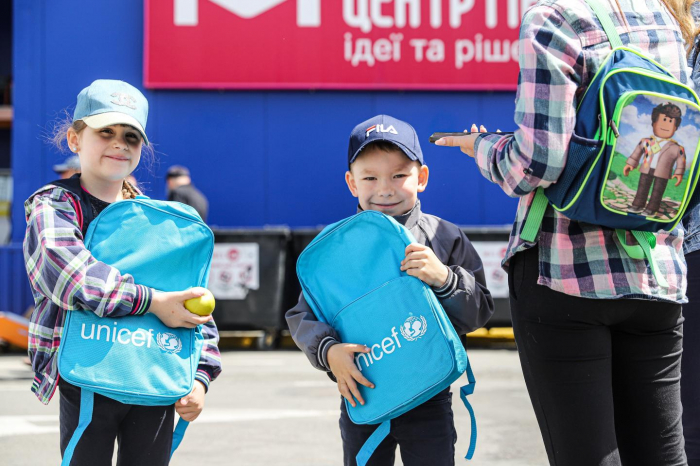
(491, 244)
(300, 238)
(248, 280)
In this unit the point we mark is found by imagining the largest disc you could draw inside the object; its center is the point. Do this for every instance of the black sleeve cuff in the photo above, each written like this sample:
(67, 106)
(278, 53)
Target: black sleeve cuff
(322, 351)
(449, 287)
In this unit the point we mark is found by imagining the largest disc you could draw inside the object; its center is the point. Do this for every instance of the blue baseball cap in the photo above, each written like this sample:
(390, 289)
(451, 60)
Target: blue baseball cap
(108, 102)
(385, 128)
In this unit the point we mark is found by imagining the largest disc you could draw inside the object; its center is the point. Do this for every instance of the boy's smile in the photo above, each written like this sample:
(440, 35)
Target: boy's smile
(386, 181)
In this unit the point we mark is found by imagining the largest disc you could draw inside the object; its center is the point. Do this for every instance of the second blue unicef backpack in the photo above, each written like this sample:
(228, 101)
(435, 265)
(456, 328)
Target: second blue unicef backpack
(351, 278)
(632, 163)
(137, 359)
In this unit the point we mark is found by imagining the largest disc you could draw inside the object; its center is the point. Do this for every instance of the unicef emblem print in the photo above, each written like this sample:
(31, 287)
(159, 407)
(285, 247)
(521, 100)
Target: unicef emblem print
(414, 328)
(169, 342)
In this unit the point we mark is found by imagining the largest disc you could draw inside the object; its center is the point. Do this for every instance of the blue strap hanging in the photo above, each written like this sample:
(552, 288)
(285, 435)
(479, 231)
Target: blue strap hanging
(178, 434)
(372, 443)
(87, 398)
(465, 391)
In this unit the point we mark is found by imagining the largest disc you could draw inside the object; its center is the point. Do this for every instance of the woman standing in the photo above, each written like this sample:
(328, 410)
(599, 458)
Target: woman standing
(599, 339)
(690, 365)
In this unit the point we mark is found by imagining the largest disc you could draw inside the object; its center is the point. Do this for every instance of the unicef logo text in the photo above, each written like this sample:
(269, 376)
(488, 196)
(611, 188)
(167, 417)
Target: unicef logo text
(414, 328)
(169, 342)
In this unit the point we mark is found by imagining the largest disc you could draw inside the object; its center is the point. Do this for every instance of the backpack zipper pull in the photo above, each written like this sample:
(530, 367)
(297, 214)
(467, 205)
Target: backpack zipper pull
(613, 126)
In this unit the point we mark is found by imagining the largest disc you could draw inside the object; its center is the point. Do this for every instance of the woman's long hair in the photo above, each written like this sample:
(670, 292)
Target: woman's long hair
(680, 9)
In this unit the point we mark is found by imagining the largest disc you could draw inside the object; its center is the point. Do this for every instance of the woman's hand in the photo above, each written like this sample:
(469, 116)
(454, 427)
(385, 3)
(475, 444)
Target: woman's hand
(465, 143)
(170, 309)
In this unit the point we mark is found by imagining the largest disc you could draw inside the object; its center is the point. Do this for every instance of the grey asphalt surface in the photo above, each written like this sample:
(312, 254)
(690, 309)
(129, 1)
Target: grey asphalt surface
(273, 408)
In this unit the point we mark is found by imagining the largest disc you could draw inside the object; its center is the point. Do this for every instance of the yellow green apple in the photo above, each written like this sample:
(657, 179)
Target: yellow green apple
(204, 305)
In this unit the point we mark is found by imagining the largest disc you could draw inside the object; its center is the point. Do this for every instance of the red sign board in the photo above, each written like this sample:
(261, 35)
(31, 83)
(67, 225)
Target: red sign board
(332, 44)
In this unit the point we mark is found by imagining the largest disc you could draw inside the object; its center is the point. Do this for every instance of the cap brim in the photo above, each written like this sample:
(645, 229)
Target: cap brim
(114, 118)
(408, 153)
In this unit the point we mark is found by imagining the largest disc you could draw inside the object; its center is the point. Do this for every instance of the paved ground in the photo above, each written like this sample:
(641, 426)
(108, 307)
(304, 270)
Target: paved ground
(272, 408)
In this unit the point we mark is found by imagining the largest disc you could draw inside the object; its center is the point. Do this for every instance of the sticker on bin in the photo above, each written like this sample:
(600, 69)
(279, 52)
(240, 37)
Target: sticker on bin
(235, 270)
(491, 254)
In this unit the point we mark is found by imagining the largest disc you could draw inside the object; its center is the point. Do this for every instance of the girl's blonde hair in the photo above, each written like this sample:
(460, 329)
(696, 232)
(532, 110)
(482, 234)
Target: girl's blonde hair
(57, 138)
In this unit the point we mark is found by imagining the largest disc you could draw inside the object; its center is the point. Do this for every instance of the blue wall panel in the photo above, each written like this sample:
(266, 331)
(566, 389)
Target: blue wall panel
(16, 296)
(262, 157)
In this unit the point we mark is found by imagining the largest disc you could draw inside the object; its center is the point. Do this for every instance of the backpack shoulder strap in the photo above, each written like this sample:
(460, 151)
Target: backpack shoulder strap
(604, 17)
(178, 434)
(534, 216)
(372, 443)
(464, 392)
(86, 404)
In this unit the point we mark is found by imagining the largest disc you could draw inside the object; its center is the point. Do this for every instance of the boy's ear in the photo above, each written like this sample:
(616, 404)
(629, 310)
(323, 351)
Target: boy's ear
(423, 174)
(350, 180)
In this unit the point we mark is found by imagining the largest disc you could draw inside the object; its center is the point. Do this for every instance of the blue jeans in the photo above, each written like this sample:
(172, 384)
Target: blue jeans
(690, 363)
(425, 435)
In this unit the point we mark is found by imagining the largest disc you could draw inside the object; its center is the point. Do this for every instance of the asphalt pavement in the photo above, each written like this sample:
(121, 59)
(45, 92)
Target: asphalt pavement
(273, 408)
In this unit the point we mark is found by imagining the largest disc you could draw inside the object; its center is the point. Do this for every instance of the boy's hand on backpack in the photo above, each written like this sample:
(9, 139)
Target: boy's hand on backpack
(189, 407)
(341, 360)
(170, 309)
(678, 178)
(421, 262)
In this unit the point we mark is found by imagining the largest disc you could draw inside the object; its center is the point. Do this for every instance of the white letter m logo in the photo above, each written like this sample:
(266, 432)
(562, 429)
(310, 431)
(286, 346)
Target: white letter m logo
(186, 12)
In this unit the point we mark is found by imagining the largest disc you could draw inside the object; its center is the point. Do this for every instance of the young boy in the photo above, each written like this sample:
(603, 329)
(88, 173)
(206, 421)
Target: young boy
(386, 173)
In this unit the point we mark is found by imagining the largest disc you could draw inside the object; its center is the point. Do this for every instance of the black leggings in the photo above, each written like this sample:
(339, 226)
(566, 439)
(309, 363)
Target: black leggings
(690, 367)
(603, 375)
(144, 433)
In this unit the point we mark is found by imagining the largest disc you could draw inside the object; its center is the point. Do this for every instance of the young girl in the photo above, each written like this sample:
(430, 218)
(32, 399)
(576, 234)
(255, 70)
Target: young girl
(107, 133)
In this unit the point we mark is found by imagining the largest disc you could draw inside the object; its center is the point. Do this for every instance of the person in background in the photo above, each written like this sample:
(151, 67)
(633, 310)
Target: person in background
(68, 168)
(181, 189)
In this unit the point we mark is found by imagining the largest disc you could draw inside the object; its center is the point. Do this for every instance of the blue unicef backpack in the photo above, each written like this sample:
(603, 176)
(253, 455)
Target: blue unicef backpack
(632, 163)
(350, 277)
(137, 359)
